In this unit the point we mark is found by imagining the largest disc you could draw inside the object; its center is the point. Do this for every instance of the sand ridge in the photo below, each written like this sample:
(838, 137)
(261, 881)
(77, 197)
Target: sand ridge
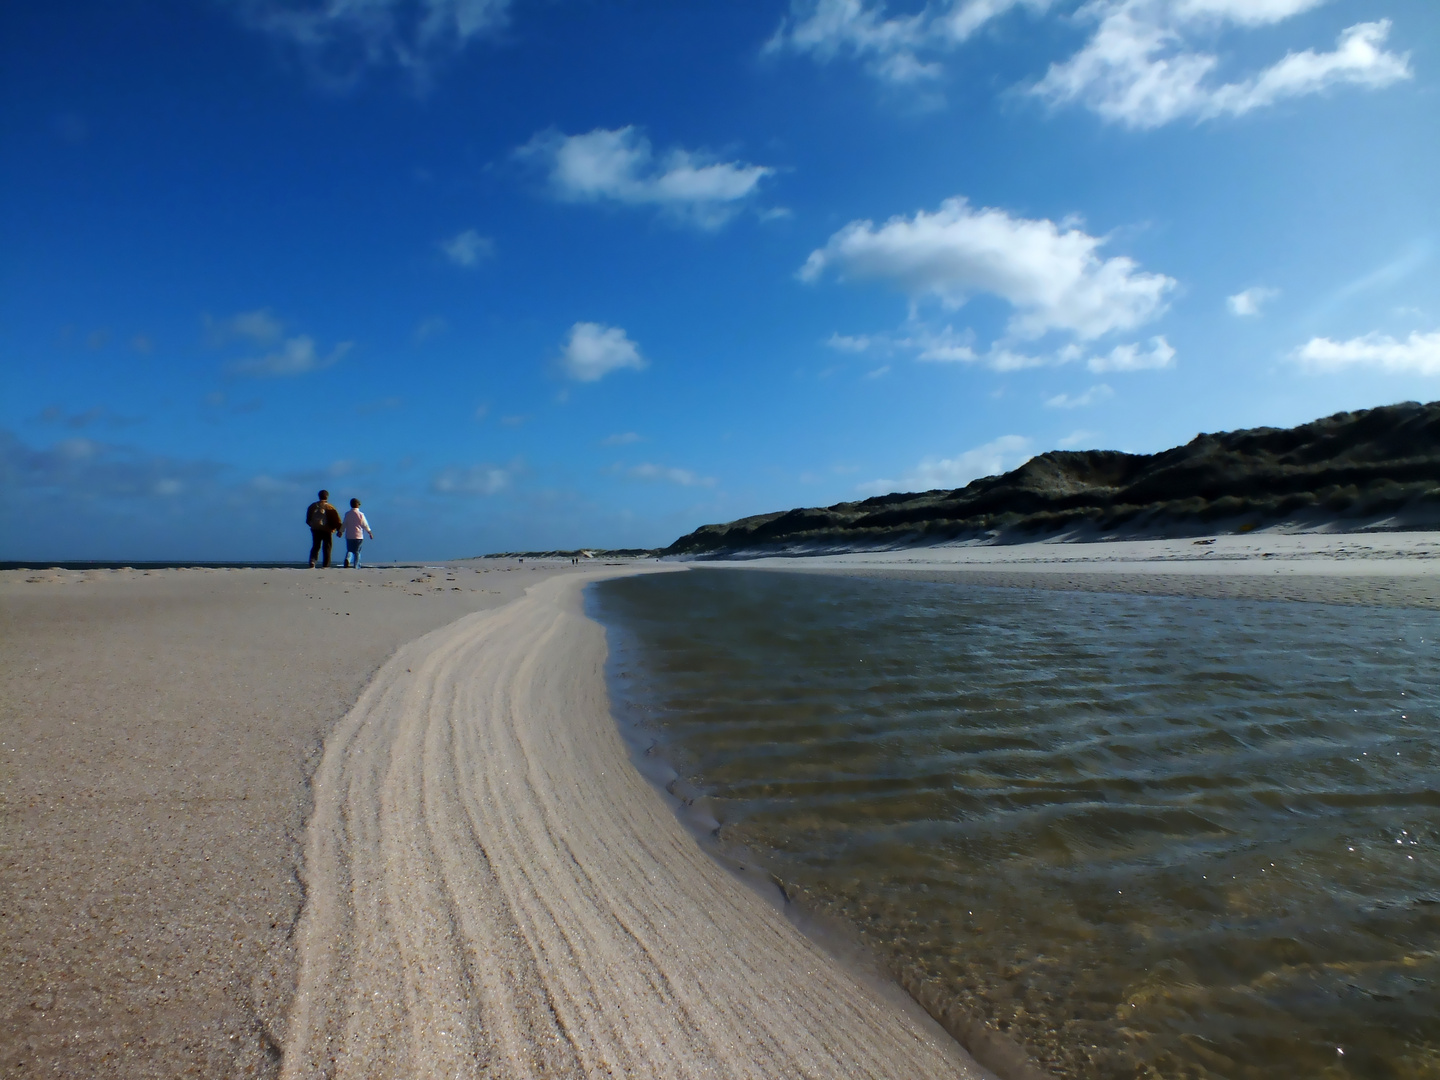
(1394, 569)
(157, 730)
(493, 889)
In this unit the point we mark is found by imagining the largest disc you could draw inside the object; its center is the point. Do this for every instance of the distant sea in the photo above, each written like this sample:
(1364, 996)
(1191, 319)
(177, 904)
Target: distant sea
(1142, 836)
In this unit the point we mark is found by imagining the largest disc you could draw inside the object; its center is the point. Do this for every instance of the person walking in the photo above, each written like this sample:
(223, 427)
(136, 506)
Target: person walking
(355, 529)
(324, 522)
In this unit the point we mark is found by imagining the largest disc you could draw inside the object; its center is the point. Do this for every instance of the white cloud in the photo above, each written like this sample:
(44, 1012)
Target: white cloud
(683, 477)
(342, 37)
(1247, 304)
(473, 480)
(998, 456)
(593, 350)
(1076, 438)
(624, 438)
(1053, 276)
(259, 326)
(620, 166)
(891, 47)
(1139, 69)
(78, 469)
(1419, 354)
(1133, 358)
(1096, 394)
(467, 248)
(947, 347)
(297, 356)
(857, 343)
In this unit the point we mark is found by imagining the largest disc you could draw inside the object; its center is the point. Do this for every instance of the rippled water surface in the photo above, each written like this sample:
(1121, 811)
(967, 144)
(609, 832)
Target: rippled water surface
(1142, 836)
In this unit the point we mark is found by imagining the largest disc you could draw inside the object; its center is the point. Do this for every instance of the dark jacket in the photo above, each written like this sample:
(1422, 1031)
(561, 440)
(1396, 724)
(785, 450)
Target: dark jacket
(323, 518)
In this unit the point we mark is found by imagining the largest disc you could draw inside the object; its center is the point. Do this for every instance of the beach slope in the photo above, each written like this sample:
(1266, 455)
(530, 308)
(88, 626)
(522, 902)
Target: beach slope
(493, 889)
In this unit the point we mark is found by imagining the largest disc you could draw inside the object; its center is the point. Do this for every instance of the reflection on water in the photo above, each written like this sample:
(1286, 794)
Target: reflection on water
(1144, 836)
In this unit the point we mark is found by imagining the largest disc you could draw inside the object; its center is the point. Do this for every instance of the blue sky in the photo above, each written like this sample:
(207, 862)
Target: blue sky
(527, 274)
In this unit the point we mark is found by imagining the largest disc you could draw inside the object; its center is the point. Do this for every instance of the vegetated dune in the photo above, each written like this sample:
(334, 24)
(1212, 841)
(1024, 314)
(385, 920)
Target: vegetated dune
(1375, 468)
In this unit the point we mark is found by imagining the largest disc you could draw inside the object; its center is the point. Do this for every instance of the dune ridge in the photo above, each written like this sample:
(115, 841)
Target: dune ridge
(1374, 468)
(492, 888)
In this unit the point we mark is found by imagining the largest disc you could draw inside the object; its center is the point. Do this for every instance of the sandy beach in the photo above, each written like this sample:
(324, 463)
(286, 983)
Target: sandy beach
(157, 735)
(1390, 569)
(278, 822)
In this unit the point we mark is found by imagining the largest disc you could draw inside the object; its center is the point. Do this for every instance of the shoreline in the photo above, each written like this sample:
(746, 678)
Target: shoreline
(162, 729)
(1391, 570)
(989, 1048)
(565, 921)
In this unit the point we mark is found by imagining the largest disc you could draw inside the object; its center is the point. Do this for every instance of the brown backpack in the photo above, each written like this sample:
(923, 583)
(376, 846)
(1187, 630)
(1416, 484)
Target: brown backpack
(316, 517)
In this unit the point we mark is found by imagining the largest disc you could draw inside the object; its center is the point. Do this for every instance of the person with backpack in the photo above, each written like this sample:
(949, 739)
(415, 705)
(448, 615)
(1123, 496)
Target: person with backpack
(324, 522)
(355, 529)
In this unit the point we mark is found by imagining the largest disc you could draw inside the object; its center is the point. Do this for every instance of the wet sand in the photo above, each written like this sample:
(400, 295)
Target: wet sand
(494, 890)
(488, 885)
(1385, 569)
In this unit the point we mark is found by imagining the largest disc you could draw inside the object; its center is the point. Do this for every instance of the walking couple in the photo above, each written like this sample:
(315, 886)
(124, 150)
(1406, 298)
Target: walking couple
(325, 521)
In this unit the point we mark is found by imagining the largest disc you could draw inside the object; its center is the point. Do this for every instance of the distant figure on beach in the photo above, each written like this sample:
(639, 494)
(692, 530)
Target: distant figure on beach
(355, 529)
(324, 522)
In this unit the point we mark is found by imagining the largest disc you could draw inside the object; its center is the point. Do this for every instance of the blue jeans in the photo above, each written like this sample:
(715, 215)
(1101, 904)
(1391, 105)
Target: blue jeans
(352, 547)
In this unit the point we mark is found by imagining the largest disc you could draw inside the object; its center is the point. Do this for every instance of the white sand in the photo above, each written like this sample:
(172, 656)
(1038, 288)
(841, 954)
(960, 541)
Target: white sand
(494, 890)
(157, 732)
(1381, 568)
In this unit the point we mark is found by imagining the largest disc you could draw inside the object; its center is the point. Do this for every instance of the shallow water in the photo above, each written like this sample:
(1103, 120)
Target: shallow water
(1143, 836)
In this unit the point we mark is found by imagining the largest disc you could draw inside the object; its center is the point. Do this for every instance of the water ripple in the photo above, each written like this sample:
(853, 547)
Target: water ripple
(1143, 836)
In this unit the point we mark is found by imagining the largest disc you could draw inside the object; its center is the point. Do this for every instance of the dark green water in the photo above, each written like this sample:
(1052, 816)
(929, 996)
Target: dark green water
(1143, 836)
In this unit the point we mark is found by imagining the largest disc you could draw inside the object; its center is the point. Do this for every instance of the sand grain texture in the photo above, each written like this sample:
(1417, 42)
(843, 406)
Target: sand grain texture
(157, 731)
(493, 890)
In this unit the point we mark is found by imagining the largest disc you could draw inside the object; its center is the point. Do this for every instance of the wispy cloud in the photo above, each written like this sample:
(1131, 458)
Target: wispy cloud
(856, 343)
(1052, 275)
(467, 248)
(667, 474)
(624, 438)
(296, 356)
(95, 415)
(81, 469)
(1139, 68)
(1077, 438)
(218, 399)
(897, 49)
(593, 350)
(1248, 303)
(1093, 396)
(342, 38)
(997, 456)
(946, 345)
(619, 166)
(1134, 357)
(259, 327)
(474, 479)
(1419, 354)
